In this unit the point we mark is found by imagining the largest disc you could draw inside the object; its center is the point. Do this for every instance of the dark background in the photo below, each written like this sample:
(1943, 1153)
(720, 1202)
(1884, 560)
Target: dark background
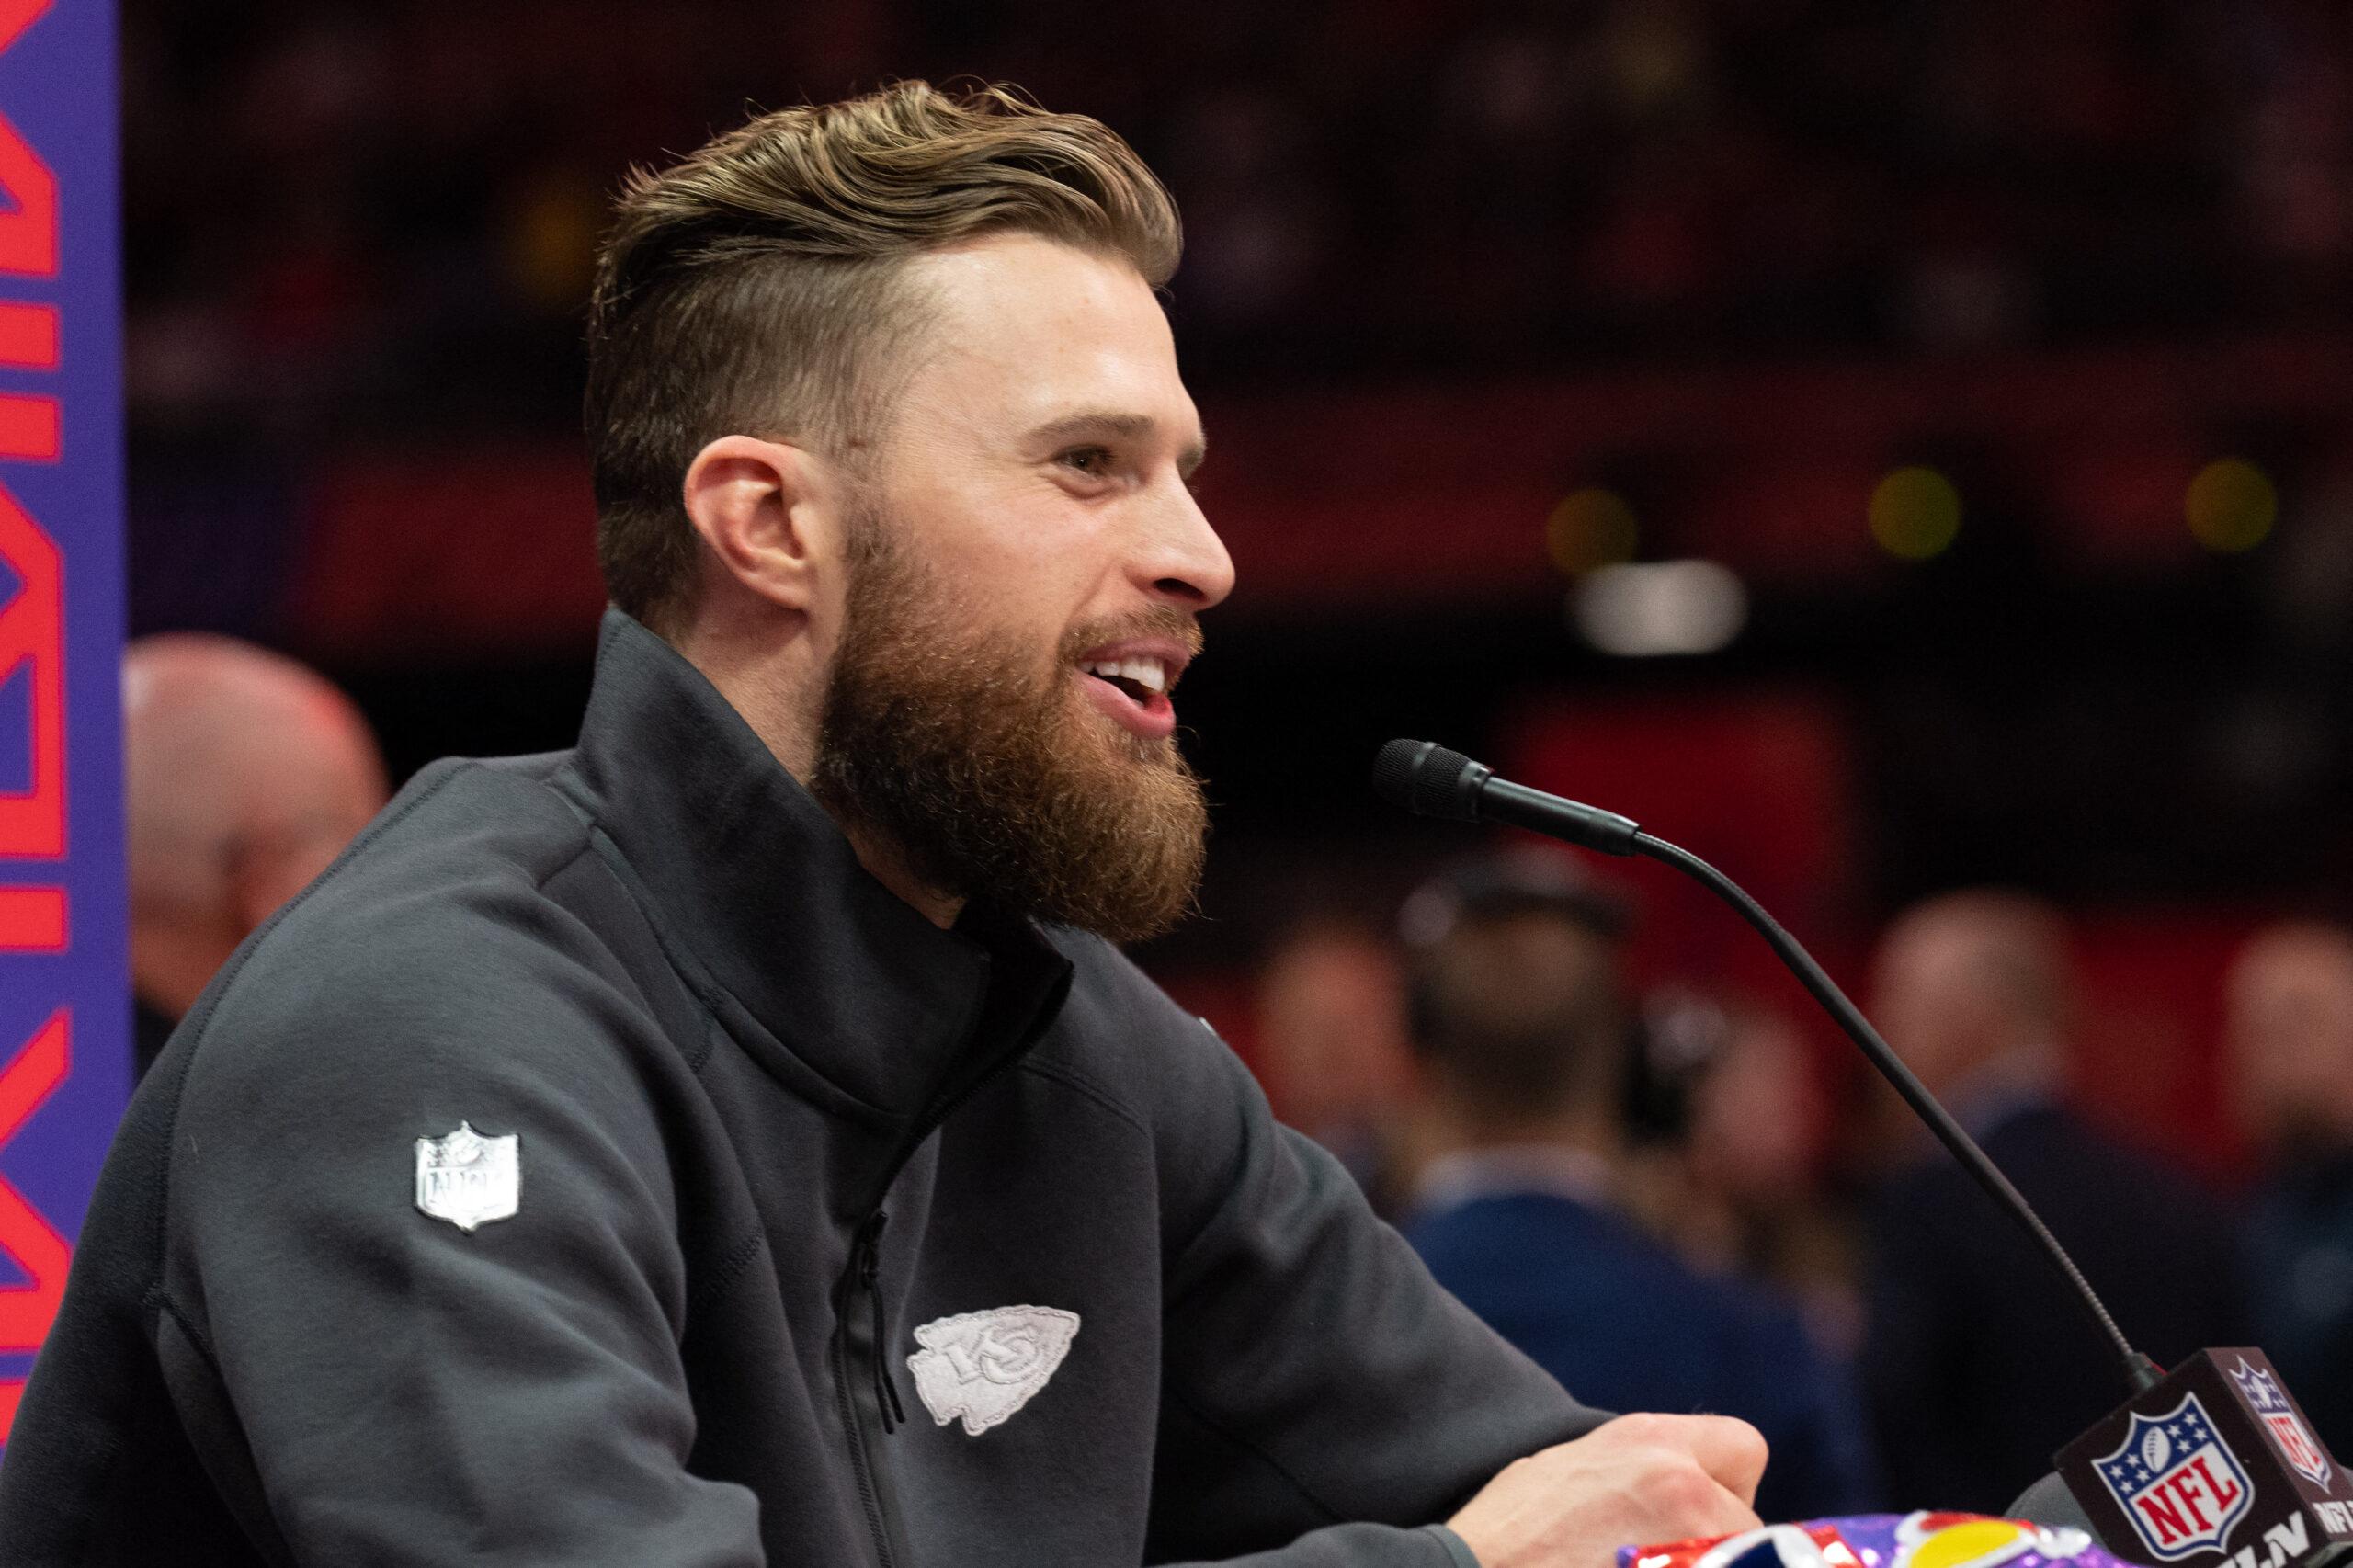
(1447, 266)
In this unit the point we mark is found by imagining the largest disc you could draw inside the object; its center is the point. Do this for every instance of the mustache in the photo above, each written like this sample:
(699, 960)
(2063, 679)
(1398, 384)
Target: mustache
(1159, 621)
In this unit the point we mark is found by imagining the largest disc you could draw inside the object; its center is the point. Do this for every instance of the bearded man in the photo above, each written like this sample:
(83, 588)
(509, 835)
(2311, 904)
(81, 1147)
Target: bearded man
(734, 1140)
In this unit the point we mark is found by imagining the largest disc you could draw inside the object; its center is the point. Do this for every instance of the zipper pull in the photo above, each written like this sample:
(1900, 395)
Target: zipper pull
(869, 1274)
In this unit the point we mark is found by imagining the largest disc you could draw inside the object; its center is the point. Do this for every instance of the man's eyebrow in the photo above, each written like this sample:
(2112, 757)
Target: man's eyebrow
(1125, 426)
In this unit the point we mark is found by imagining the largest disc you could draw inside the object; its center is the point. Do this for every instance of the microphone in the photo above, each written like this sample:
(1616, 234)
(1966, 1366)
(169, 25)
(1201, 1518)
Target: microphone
(2210, 1466)
(1431, 781)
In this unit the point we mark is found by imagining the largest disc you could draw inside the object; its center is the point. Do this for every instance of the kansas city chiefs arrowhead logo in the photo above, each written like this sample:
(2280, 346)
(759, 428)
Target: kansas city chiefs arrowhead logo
(985, 1366)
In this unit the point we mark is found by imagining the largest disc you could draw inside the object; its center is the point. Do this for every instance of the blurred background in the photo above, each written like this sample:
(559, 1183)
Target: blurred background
(1995, 354)
(1884, 447)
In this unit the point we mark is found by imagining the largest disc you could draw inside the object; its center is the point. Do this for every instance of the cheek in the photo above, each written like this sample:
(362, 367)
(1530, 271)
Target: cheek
(1027, 568)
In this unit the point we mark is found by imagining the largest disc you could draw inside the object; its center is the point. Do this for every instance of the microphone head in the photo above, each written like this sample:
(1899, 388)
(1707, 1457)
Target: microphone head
(1428, 780)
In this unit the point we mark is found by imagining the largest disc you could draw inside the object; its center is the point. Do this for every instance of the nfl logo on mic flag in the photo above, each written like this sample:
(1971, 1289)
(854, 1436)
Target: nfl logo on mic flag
(2212, 1469)
(2269, 1401)
(2182, 1489)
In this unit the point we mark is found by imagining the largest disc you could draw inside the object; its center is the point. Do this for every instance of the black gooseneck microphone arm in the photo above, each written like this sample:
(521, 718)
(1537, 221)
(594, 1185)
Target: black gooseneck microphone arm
(2139, 1370)
(1430, 781)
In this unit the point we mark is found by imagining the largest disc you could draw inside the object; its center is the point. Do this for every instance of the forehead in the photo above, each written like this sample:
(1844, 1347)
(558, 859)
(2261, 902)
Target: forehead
(2300, 967)
(1025, 330)
(1954, 945)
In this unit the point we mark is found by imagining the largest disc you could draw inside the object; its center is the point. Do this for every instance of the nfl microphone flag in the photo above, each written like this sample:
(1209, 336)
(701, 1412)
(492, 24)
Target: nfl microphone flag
(2213, 1467)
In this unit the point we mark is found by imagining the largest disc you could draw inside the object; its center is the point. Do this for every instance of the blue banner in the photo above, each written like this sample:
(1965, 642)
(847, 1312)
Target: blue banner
(65, 1010)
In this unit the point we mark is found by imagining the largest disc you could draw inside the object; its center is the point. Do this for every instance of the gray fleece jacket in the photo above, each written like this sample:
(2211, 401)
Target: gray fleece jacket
(779, 1227)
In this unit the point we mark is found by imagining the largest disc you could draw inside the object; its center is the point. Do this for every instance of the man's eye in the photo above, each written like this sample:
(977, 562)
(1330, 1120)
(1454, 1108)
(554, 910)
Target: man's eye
(1088, 460)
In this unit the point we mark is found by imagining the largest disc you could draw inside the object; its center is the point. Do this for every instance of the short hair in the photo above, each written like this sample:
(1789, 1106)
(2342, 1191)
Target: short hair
(1514, 1039)
(1529, 880)
(755, 287)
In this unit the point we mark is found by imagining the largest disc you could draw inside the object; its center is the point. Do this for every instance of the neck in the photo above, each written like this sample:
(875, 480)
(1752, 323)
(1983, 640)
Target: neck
(1465, 1128)
(771, 682)
(886, 863)
(2025, 1073)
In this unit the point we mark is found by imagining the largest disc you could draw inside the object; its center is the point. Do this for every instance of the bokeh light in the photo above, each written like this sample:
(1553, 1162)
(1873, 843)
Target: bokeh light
(1662, 607)
(2231, 505)
(1590, 528)
(1915, 514)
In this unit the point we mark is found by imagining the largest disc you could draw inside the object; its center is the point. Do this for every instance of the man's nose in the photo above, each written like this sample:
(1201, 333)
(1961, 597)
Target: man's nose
(1181, 559)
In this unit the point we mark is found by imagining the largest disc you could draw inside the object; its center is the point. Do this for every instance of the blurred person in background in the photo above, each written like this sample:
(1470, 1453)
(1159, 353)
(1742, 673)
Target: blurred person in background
(1758, 1127)
(1979, 1360)
(2289, 1038)
(245, 774)
(1523, 1023)
(1332, 1049)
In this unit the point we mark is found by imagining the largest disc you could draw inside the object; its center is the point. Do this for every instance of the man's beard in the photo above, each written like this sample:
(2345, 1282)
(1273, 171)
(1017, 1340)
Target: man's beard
(979, 765)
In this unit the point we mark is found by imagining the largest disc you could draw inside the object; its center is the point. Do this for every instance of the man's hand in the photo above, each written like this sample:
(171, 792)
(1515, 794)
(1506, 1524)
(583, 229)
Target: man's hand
(1637, 1481)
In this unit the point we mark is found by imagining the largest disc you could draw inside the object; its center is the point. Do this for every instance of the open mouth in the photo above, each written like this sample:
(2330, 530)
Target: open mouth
(1132, 689)
(1140, 680)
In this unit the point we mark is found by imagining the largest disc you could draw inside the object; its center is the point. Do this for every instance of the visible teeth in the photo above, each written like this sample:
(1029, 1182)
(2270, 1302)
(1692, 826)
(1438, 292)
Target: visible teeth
(1149, 673)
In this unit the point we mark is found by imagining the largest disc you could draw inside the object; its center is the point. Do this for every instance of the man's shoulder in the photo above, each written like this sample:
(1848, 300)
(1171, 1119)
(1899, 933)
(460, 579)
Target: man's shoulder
(1759, 1330)
(460, 820)
(1124, 1035)
(2062, 1160)
(440, 932)
(1530, 1232)
(1105, 981)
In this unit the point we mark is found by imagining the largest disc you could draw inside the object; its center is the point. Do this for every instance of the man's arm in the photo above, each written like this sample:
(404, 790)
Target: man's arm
(1321, 1389)
(409, 1391)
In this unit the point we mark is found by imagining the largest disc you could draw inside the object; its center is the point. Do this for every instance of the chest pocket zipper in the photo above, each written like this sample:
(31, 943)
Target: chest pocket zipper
(870, 1279)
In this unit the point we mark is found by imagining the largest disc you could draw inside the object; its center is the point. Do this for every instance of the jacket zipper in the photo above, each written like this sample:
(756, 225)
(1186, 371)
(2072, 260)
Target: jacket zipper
(861, 1335)
(864, 1334)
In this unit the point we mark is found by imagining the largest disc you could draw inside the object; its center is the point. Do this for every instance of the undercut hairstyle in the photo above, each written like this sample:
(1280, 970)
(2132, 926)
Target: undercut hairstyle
(756, 286)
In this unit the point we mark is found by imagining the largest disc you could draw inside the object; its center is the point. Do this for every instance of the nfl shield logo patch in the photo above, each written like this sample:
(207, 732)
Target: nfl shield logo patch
(469, 1179)
(2179, 1485)
(2270, 1402)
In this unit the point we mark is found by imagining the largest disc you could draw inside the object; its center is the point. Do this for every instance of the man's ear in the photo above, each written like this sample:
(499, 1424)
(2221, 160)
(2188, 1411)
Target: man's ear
(770, 513)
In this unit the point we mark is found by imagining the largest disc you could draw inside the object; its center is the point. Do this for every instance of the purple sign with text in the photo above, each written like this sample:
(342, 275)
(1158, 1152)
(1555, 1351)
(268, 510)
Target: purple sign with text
(64, 1013)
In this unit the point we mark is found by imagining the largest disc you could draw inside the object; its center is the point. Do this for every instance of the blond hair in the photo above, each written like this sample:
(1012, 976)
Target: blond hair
(755, 287)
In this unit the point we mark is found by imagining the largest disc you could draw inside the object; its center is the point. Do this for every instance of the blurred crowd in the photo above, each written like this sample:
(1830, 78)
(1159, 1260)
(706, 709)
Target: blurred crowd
(376, 215)
(1671, 1199)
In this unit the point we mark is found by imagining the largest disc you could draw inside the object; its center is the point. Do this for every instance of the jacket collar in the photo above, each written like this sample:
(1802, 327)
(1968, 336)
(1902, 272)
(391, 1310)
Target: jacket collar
(750, 881)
